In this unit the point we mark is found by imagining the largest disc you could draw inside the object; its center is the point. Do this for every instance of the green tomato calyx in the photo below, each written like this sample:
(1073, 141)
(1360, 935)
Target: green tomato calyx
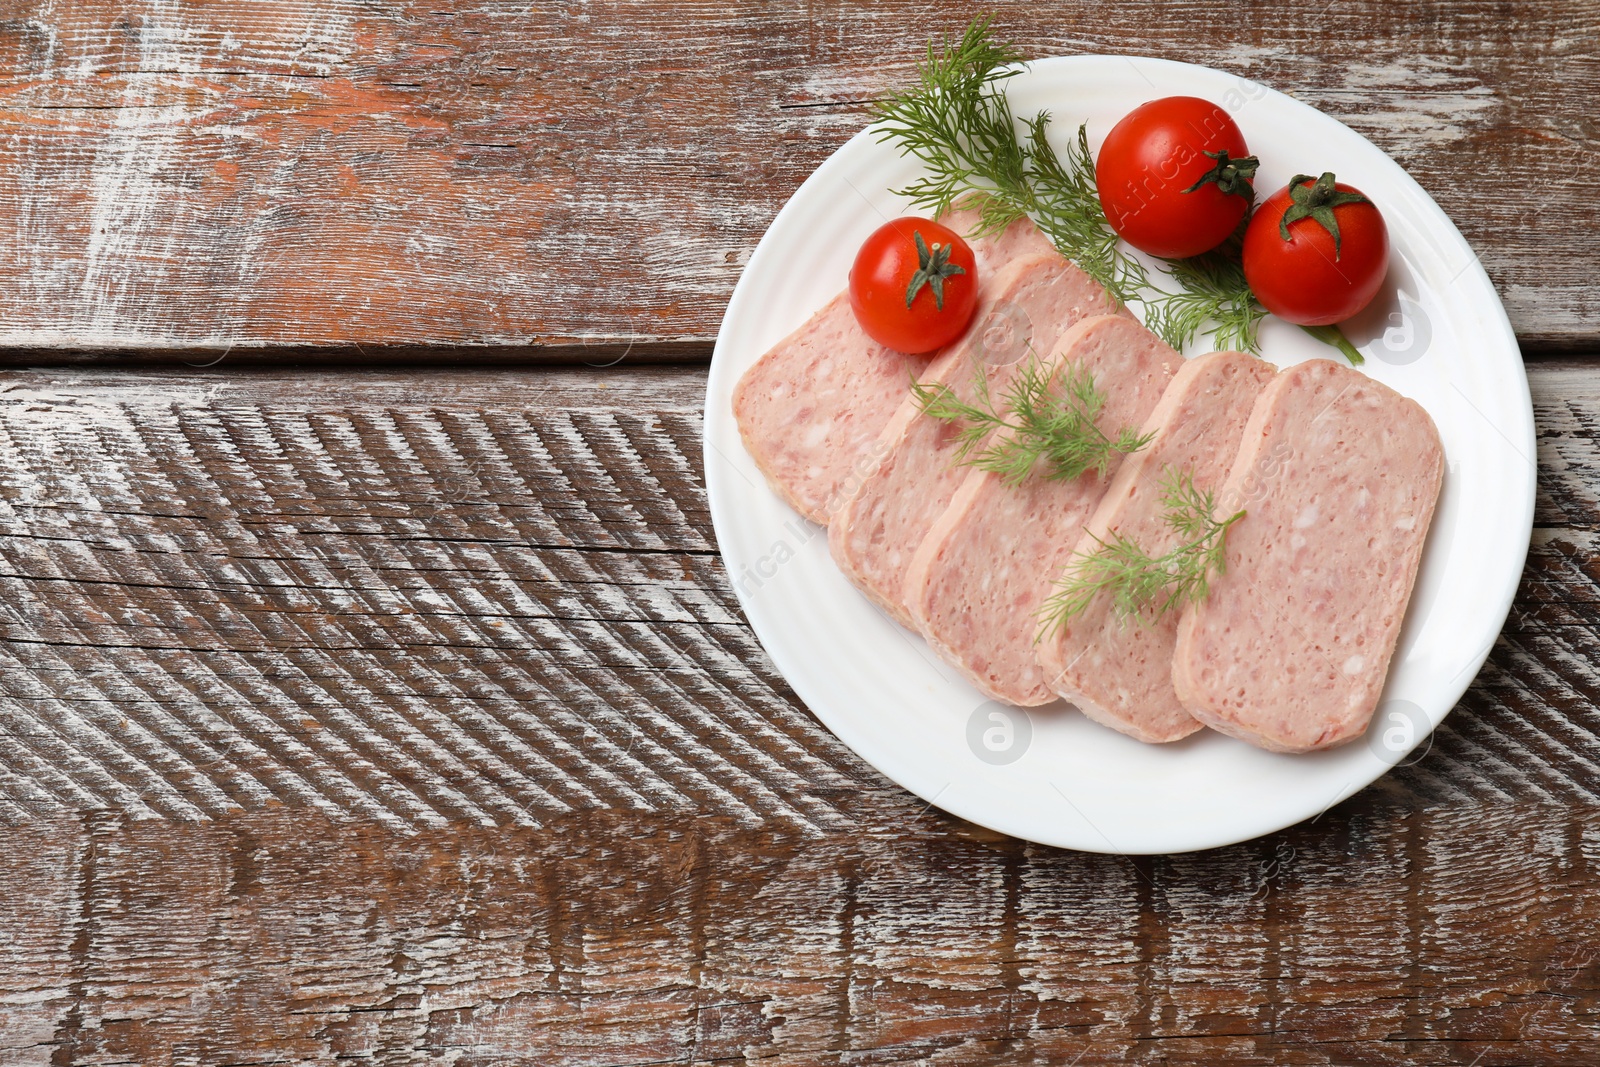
(932, 269)
(1232, 176)
(1317, 201)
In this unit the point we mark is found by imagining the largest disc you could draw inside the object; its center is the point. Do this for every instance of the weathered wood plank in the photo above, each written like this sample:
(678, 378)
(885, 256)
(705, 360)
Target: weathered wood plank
(495, 597)
(466, 756)
(531, 179)
(1382, 935)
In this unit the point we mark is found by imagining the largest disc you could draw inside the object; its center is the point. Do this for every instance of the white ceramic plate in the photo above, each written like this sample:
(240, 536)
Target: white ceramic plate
(1439, 334)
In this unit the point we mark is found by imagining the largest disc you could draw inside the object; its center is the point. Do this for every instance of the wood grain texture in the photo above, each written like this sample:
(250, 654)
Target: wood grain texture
(1467, 936)
(495, 597)
(410, 718)
(493, 607)
(535, 180)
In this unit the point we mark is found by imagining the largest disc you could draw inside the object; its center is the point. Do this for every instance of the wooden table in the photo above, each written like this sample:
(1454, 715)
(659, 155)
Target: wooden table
(371, 685)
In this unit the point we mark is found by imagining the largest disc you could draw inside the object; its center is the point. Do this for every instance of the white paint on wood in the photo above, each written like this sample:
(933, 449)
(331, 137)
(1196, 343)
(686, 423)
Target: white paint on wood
(493, 598)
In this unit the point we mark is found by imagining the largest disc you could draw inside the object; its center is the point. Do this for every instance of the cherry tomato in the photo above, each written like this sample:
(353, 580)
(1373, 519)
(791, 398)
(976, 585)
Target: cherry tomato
(1316, 252)
(1174, 177)
(914, 285)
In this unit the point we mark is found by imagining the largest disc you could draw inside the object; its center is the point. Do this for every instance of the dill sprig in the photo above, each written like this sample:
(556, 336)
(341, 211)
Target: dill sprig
(958, 122)
(1215, 295)
(1136, 580)
(1041, 417)
(1067, 208)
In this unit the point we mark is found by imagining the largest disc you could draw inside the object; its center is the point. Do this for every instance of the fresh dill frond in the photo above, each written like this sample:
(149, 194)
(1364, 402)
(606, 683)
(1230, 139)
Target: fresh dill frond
(1215, 298)
(1041, 417)
(959, 123)
(975, 420)
(1066, 206)
(1134, 579)
(1054, 418)
(1118, 567)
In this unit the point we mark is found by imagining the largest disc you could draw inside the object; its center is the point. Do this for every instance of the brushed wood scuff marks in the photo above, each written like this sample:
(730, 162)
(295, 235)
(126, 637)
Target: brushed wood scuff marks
(494, 598)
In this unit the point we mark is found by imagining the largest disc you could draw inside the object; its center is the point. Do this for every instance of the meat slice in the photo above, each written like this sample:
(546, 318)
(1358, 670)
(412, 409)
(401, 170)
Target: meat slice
(811, 407)
(1021, 238)
(809, 410)
(976, 581)
(1340, 475)
(874, 534)
(1117, 670)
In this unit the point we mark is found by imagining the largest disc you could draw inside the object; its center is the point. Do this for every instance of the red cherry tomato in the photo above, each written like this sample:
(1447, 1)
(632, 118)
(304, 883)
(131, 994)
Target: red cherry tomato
(1320, 274)
(1174, 177)
(914, 285)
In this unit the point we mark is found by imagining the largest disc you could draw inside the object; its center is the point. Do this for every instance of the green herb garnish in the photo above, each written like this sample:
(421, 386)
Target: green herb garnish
(1069, 213)
(1040, 417)
(1214, 294)
(1136, 580)
(959, 123)
(1332, 335)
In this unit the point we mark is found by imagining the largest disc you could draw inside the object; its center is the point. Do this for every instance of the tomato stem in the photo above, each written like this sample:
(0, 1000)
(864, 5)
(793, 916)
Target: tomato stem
(932, 269)
(1317, 201)
(1232, 176)
(1332, 335)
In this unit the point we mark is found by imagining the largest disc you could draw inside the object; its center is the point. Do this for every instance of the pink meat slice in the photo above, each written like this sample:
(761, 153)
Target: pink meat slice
(874, 534)
(1118, 671)
(1340, 475)
(993, 251)
(810, 409)
(975, 584)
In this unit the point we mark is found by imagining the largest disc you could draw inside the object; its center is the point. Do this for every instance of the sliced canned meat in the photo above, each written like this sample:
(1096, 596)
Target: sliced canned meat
(976, 582)
(873, 536)
(811, 408)
(1291, 649)
(1118, 670)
